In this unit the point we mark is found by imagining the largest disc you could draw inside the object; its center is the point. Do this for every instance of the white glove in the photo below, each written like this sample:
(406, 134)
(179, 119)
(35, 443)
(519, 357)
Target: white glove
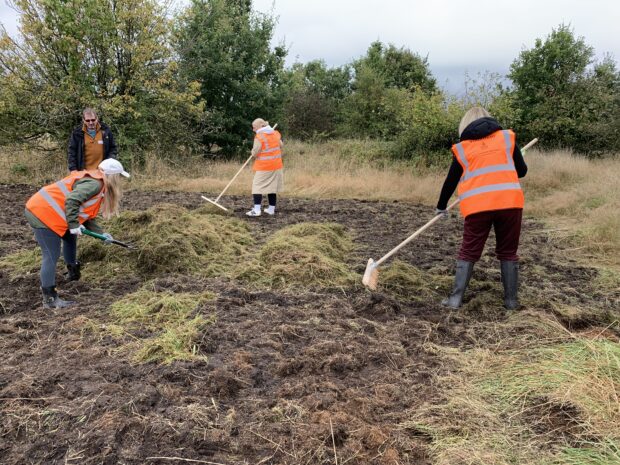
(108, 238)
(77, 231)
(443, 213)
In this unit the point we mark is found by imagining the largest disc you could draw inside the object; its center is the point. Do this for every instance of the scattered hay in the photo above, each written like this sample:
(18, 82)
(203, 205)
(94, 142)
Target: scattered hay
(22, 262)
(551, 405)
(163, 326)
(169, 239)
(306, 254)
(154, 310)
(175, 343)
(407, 282)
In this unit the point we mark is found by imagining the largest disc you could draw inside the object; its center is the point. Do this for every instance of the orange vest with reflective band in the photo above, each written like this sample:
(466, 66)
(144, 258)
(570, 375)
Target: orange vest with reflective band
(48, 205)
(489, 180)
(270, 156)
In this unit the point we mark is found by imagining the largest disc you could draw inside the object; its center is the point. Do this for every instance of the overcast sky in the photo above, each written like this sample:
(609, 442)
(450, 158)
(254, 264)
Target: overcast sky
(456, 36)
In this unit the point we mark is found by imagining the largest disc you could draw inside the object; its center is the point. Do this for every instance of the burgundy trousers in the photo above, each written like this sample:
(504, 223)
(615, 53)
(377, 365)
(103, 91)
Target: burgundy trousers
(507, 226)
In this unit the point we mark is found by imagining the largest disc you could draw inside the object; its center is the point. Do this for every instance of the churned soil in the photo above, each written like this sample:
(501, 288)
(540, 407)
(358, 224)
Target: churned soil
(296, 376)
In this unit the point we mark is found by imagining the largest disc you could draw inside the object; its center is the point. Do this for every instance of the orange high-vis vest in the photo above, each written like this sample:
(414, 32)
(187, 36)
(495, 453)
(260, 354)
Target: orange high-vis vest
(489, 180)
(48, 205)
(270, 156)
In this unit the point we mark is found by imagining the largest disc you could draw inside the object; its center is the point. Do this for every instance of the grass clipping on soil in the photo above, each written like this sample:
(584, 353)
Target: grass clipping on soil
(405, 281)
(163, 326)
(556, 404)
(305, 254)
(168, 239)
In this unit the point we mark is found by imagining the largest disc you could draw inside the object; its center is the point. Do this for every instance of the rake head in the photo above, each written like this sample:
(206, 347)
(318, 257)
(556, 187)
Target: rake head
(215, 203)
(371, 275)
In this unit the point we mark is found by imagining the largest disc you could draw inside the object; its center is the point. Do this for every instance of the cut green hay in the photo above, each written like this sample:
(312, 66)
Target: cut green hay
(557, 404)
(305, 254)
(22, 263)
(155, 310)
(168, 239)
(178, 342)
(407, 282)
(162, 326)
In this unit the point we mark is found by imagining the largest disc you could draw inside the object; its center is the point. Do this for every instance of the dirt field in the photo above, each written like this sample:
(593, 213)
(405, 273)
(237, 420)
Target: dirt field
(302, 376)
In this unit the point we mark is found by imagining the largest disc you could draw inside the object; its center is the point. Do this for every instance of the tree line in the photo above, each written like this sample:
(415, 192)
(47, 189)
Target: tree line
(191, 82)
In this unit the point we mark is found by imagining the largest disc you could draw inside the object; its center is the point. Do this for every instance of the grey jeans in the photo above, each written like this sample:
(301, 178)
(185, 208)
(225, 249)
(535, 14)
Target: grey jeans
(49, 242)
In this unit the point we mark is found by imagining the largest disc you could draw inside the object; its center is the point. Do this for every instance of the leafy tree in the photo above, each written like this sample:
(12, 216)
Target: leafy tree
(428, 128)
(398, 68)
(564, 97)
(113, 56)
(225, 45)
(383, 79)
(314, 96)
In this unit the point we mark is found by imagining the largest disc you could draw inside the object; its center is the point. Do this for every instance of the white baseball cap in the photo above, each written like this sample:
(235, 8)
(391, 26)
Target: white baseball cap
(112, 166)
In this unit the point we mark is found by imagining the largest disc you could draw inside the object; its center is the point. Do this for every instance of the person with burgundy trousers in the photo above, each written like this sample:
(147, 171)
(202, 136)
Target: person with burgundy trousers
(486, 167)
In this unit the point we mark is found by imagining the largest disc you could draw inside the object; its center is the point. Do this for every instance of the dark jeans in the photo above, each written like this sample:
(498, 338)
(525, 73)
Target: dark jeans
(50, 247)
(507, 225)
(258, 199)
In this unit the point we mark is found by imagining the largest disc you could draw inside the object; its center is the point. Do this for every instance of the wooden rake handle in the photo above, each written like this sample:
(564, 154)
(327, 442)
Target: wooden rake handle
(415, 234)
(233, 179)
(431, 222)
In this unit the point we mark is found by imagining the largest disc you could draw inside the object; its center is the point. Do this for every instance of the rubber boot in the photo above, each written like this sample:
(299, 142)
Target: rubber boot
(51, 299)
(510, 280)
(461, 280)
(73, 272)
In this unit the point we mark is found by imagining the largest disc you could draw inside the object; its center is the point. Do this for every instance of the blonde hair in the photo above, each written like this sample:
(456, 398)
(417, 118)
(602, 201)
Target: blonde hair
(113, 195)
(470, 116)
(259, 123)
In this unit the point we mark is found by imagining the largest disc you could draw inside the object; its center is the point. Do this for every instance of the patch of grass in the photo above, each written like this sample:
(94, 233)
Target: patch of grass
(169, 239)
(22, 262)
(162, 326)
(556, 404)
(408, 282)
(305, 254)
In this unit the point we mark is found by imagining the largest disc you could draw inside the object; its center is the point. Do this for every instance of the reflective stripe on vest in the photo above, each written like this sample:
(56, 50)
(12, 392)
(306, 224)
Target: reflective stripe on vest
(489, 180)
(48, 204)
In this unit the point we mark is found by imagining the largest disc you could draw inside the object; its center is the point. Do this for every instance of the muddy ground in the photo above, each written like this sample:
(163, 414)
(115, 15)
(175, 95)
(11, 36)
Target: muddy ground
(294, 377)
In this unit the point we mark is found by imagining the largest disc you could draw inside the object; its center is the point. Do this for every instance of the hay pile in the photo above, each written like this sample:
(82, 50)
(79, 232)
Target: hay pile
(169, 239)
(306, 254)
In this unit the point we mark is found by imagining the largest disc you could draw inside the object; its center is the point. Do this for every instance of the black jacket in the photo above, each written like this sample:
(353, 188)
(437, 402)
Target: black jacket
(480, 128)
(75, 154)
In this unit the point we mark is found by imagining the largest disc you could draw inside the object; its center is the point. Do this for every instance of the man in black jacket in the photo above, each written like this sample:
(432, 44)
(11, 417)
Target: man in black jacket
(90, 143)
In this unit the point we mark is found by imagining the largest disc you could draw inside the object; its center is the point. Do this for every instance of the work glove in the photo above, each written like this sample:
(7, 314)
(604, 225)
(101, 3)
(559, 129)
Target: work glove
(77, 231)
(443, 213)
(108, 238)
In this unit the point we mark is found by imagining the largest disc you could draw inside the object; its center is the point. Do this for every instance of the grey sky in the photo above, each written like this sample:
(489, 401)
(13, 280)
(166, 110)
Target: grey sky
(456, 36)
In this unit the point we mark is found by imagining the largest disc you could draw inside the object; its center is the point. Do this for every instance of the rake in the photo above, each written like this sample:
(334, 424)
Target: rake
(371, 274)
(215, 202)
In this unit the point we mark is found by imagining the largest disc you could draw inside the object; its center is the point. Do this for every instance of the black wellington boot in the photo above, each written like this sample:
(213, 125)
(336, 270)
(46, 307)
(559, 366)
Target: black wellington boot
(510, 280)
(461, 280)
(73, 272)
(51, 299)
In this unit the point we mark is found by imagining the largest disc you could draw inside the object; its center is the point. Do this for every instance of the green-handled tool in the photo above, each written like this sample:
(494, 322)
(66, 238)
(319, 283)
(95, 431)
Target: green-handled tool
(103, 238)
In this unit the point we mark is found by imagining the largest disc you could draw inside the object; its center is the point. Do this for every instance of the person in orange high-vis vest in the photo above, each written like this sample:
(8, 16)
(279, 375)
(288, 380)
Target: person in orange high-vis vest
(60, 211)
(486, 167)
(268, 167)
